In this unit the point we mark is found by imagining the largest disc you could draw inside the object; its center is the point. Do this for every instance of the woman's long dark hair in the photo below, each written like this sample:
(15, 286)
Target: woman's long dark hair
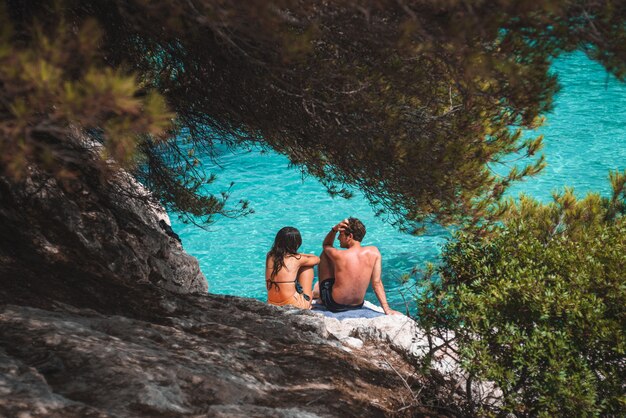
(287, 242)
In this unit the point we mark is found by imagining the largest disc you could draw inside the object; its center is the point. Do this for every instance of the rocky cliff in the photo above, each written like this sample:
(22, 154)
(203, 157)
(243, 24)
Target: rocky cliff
(110, 226)
(103, 314)
(195, 356)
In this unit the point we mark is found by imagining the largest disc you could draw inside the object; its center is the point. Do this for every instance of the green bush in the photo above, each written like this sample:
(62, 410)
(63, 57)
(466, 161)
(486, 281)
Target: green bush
(537, 304)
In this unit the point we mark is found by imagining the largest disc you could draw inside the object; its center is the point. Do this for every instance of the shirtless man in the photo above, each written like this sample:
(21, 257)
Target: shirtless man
(345, 275)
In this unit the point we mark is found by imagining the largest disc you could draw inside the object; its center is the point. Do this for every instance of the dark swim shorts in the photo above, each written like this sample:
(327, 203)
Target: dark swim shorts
(326, 294)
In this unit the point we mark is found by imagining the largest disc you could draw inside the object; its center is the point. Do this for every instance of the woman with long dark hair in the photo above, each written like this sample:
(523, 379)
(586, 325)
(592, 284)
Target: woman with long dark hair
(289, 274)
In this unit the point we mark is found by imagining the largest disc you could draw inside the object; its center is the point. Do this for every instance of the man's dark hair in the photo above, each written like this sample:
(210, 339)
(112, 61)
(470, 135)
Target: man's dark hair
(356, 228)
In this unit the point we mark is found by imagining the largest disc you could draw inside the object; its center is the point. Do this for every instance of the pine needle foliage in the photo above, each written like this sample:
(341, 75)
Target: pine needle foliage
(412, 102)
(54, 82)
(62, 104)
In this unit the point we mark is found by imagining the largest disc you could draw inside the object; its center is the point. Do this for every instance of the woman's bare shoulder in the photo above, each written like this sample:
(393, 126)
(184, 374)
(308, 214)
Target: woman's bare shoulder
(308, 259)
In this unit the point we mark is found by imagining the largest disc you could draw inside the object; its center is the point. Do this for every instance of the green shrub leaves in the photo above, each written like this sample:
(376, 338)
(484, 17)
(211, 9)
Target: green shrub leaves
(538, 305)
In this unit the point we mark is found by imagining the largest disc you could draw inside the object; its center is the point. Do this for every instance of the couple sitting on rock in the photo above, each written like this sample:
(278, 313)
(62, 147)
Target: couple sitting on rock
(343, 275)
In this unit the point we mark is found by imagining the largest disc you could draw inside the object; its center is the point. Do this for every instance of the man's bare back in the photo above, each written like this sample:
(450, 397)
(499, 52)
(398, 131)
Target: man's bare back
(352, 269)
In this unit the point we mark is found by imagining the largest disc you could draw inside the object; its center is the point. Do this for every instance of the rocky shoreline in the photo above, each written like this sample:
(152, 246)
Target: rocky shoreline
(102, 314)
(197, 356)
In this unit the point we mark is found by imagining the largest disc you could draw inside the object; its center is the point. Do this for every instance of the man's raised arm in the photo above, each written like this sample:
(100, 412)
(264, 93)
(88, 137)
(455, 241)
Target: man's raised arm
(379, 289)
(330, 237)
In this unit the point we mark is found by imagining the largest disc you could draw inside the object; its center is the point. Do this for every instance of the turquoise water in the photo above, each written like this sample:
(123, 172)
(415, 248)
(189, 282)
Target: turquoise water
(585, 136)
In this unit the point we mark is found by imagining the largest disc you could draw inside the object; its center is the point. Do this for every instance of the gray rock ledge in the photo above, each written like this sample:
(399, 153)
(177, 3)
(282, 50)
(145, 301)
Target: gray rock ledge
(200, 356)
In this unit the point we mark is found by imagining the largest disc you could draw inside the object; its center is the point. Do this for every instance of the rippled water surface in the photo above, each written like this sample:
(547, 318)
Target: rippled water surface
(585, 136)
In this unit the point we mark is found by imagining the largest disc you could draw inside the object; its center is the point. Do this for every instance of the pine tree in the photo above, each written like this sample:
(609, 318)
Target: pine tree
(412, 102)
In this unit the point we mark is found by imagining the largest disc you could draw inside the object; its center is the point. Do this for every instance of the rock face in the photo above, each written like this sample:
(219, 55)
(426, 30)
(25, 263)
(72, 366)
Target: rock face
(112, 225)
(195, 356)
